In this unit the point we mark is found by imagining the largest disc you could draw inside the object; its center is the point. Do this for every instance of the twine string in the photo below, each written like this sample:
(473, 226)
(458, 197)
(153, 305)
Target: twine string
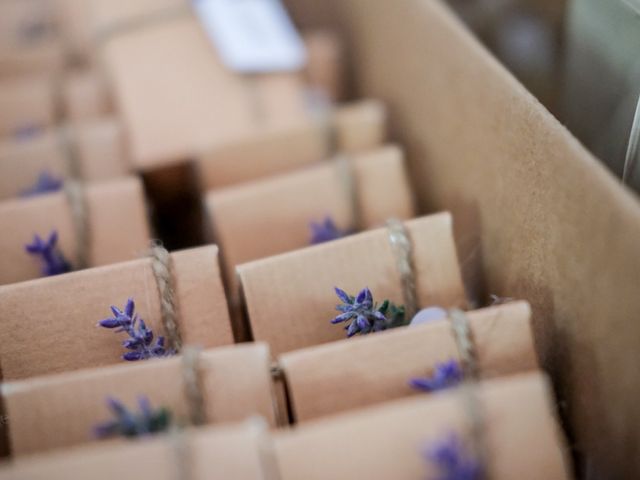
(182, 452)
(469, 388)
(402, 248)
(350, 186)
(80, 214)
(162, 266)
(192, 378)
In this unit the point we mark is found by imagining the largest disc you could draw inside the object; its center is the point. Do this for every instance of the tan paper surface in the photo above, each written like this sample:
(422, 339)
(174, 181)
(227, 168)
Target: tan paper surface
(182, 74)
(357, 127)
(42, 58)
(85, 95)
(26, 101)
(116, 220)
(217, 453)
(522, 436)
(50, 323)
(236, 384)
(362, 371)
(545, 220)
(272, 216)
(290, 298)
(24, 22)
(325, 70)
(98, 146)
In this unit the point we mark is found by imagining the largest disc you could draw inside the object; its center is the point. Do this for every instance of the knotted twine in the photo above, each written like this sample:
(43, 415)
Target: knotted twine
(402, 248)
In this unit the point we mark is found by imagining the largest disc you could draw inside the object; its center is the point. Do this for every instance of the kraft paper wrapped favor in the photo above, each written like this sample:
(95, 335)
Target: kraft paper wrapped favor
(290, 298)
(377, 368)
(182, 74)
(49, 324)
(226, 452)
(45, 58)
(521, 435)
(85, 96)
(95, 148)
(116, 223)
(272, 216)
(235, 384)
(27, 103)
(325, 66)
(356, 127)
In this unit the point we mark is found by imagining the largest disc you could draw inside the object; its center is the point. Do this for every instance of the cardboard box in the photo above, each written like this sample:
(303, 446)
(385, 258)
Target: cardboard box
(235, 385)
(537, 217)
(51, 323)
(290, 297)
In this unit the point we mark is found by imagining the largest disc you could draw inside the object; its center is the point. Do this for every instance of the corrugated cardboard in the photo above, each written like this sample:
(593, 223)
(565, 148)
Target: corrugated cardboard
(542, 218)
(290, 298)
(116, 219)
(50, 323)
(353, 128)
(26, 102)
(236, 384)
(218, 453)
(98, 147)
(387, 442)
(182, 74)
(362, 371)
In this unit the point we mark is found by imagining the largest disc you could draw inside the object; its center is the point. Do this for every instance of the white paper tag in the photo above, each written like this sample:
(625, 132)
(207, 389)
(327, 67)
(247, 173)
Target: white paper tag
(252, 36)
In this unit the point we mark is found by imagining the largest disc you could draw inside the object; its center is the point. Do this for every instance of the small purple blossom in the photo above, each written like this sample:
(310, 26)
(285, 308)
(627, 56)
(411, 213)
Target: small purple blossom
(446, 375)
(129, 424)
(452, 460)
(140, 341)
(325, 231)
(54, 262)
(362, 315)
(26, 132)
(46, 183)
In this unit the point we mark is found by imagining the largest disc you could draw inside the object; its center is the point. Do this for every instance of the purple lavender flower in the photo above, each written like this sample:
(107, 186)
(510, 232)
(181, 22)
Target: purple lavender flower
(453, 461)
(27, 131)
(54, 262)
(364, 316)
(140, 341)
(45, 183)
(325, 231)
(129, 424)
(446, 375)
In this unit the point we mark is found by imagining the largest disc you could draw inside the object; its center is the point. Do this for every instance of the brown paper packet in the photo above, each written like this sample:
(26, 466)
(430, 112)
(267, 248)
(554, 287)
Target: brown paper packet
(215, 453)
(377, 368)
(272, 216)
(26, 102)
(97, 146)
(49, 325)
(85, 95)
(522, 436)
(182, 74)
(325, 63)
(116, 220)
(43, 58)
(290, 298)
(356, 127)
(236, 384)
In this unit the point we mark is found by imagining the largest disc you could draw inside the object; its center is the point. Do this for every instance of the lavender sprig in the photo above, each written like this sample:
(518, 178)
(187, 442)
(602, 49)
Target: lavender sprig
(446, 375)
(325, 231)
(54, 262)
(140, 341)
(130, 424)
(46, 183)
(453, 461)
(364, 316)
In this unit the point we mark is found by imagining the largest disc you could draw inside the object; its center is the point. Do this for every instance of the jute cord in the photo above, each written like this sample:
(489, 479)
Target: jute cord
(163, 272)
(80, 215)
(350, 186)
(403, 252)
(469, 388)
(181, 445)
(192, 378)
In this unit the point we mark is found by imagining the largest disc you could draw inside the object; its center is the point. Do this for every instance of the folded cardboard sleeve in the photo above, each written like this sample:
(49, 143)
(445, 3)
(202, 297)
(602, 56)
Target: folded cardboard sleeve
(362, 371)
(116, 221)
(50, 324)
(272, 216)
(235, 383)
(290, 298)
